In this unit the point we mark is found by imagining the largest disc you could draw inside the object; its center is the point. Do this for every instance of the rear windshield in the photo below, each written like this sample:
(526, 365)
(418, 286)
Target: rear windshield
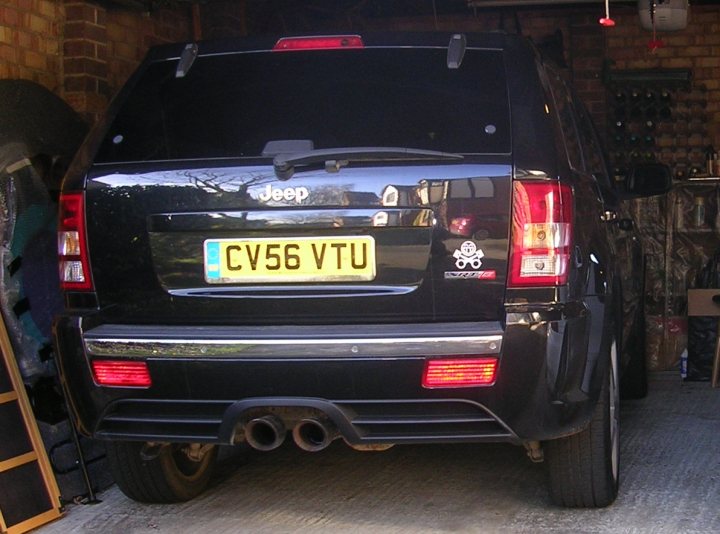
(233, 105)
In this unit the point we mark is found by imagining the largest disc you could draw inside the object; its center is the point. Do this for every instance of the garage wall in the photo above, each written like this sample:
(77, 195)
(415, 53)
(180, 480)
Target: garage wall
(130, 34)
(696, 48)
(80, 50)
(587, 46)
(102, 46)
(31, 41)
(85, 52)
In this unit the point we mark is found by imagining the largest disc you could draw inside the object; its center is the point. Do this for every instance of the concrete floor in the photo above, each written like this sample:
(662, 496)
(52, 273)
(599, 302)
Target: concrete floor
(670, 483)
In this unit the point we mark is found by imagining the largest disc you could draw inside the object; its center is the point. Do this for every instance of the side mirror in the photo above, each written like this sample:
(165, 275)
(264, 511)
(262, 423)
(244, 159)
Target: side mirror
(647, 180)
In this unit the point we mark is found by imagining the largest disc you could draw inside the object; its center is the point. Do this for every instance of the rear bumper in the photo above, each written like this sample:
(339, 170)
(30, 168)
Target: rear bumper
(209, 381)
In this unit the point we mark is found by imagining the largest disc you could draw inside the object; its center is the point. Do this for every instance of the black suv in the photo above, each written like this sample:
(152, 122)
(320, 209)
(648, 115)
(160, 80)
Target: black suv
(387, 239)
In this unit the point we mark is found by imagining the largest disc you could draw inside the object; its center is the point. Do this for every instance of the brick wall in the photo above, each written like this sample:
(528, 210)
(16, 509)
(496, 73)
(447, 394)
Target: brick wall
(103, 46)
(696, 48)
(130, 34)
(85, 85)
(587, 44)
(30, 41)
(81, 50)
(85, 52)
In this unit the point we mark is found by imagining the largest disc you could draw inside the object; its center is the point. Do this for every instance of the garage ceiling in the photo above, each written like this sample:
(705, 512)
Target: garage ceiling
(385, 8)
(401, 5)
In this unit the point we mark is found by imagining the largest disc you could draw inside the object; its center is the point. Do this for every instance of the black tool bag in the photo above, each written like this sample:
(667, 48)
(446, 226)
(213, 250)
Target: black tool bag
(702, 331)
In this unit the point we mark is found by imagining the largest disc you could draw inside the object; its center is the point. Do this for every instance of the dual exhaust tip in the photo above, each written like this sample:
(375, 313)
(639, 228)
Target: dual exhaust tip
(311, 434)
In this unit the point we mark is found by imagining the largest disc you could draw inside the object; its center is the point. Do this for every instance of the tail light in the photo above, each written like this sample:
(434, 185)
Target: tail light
(120, 373)
(542, 217)
(331, 42)
(72, 244)
(459, 373)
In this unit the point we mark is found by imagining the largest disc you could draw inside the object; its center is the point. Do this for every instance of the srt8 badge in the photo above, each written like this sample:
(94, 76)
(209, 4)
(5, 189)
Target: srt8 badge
(468, 255)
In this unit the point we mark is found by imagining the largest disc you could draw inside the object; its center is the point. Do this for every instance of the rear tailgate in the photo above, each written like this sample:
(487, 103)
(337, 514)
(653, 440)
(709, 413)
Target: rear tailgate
(374, 244)
(188, 221)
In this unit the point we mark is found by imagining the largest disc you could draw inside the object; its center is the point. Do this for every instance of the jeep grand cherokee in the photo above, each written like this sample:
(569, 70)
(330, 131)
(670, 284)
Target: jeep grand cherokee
(387, 239)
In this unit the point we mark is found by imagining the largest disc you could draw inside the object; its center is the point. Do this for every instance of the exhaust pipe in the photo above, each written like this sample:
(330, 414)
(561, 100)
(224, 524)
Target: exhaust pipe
(314, 435)
(265, 433)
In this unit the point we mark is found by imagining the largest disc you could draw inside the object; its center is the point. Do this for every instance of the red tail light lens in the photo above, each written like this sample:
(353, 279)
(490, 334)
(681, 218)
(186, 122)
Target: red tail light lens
(542, 217)
(72, 244)
(121, 373)
(332, 42)
(460, 373)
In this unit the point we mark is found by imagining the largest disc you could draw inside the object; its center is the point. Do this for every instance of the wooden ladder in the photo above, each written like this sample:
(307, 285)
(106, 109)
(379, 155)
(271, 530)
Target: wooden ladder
(29, 495)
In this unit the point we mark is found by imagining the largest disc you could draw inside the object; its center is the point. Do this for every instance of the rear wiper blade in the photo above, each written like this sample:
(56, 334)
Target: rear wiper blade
(335, 158)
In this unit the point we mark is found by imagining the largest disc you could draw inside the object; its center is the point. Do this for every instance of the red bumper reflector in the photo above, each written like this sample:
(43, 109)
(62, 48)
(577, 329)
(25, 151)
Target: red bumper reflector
(460, 373)
(121, 373)
(332, 42)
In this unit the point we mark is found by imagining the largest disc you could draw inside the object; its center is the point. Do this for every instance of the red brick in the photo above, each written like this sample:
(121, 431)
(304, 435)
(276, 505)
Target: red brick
(53, 64)
(676, 63)
(707, 62)
(85, 66)
(708, 39)
(696, 51)
(6, 34)
(101, 52)
(11, 17)
(52, 47)
(124, 51)
(95, 33)
(47, 9)
(80, 12)
(34, 60)
(700, 17)
(8, 53)
(84, 30)
(80, 83)
(124, 18)
(25, 40)
(74, 30)
(78, 48)
(115, 32)
(684, 39)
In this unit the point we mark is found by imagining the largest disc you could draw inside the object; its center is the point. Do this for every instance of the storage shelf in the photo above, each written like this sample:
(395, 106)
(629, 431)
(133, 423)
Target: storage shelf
(696, 231)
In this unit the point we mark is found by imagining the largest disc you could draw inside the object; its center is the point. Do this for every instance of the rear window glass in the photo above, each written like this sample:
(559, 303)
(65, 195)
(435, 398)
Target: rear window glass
(233, 105)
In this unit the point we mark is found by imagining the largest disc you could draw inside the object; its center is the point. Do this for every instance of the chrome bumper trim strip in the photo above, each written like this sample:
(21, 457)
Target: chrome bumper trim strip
(384, 348)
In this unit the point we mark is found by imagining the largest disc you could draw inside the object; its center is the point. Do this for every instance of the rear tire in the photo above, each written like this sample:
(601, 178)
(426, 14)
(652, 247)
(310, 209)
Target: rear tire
(179, 472)
(584, 467)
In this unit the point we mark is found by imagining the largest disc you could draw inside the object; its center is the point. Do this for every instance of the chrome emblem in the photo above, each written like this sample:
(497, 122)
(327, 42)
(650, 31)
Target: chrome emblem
(287, 194)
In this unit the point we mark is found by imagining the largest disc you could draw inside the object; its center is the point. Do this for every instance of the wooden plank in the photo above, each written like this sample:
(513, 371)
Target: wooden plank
(18, 461)
(8, 397)
(33, 522)
(701, 303)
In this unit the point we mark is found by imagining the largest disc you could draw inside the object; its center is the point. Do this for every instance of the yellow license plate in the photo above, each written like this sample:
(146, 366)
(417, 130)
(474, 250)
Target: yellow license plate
(294, 259)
